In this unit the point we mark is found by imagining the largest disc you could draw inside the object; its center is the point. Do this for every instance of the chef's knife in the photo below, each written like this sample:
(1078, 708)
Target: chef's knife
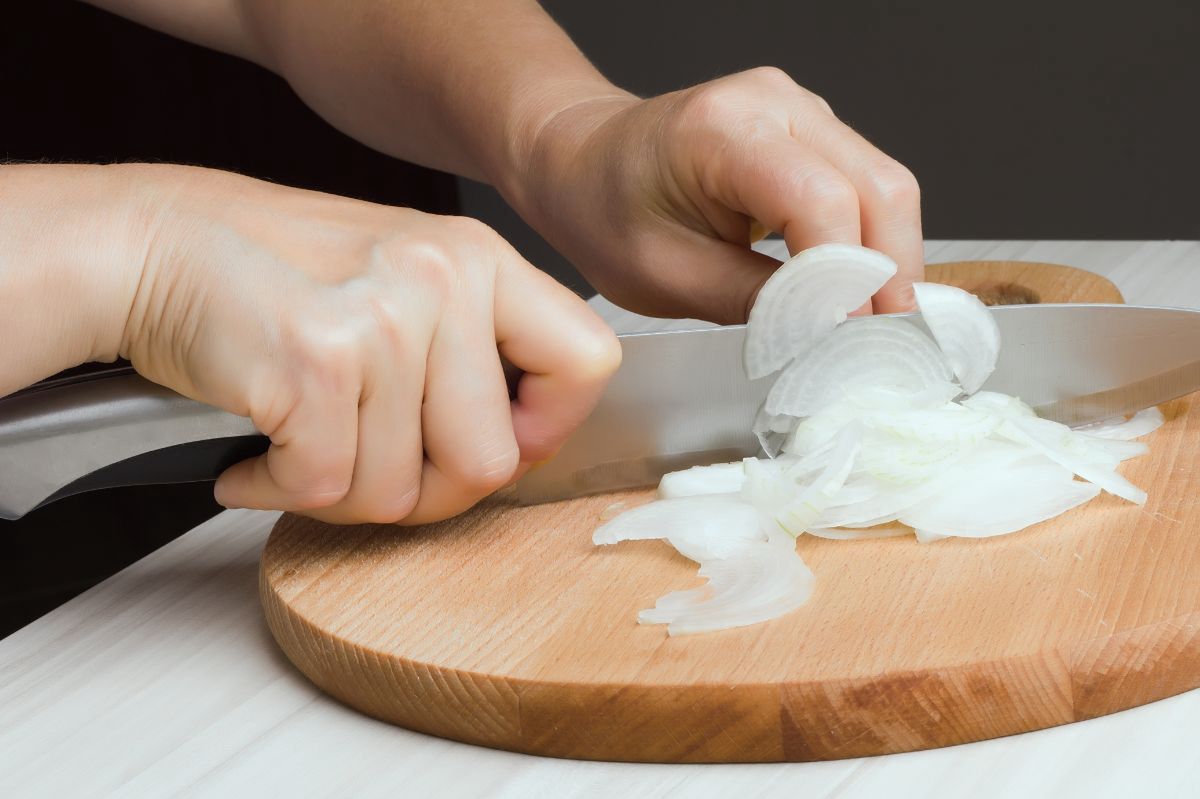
(679, 399)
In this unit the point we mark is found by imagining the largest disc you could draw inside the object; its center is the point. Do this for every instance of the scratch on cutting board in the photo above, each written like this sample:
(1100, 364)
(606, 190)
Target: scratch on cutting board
(1035, 553)
(1078, 556)
(1087, 594)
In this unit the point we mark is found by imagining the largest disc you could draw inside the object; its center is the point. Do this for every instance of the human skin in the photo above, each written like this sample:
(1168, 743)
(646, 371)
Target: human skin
(308, 313)
(652, 199)
(364, 340)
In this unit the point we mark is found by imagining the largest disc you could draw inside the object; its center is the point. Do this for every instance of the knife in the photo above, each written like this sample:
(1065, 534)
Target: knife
(679, 399)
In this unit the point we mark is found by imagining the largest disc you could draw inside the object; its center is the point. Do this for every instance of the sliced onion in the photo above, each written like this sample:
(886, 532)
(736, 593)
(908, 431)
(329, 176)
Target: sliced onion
(806, 298)
(851, 534)
(1142, 423)
(870, 443)
(1068, 449)
(761, 583)
(720, 478)
(1005, 406)
(965, 330)
(997, 492)
(699, 527)
(866, 353)
(807, 505)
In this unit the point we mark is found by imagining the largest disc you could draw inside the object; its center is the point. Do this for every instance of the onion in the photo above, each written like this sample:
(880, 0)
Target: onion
(806, 298)
(983, 500)
(720, 478)
(763, 582)
(752, 575)
(964, 330)
(1140, 424)
(867, 353)
(869, 436)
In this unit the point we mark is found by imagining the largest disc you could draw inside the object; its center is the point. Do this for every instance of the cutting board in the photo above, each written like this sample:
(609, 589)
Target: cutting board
(505, 627)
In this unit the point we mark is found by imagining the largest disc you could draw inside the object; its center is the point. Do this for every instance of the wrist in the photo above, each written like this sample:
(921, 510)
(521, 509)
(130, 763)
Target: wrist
(545, 130)
(69, 264)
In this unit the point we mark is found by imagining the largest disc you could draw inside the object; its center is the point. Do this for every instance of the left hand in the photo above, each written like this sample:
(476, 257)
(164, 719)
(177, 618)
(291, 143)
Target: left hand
(656, 201)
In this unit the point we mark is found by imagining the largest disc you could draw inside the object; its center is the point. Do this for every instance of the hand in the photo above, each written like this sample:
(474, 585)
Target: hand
(655, 200)
(363, 340)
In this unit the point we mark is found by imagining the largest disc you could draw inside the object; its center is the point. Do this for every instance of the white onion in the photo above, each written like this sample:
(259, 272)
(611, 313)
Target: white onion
(1140, 424)
(867, 353)
(871, 443)
(806, 298)
(720, 478)
(964, 330)
(765, 581)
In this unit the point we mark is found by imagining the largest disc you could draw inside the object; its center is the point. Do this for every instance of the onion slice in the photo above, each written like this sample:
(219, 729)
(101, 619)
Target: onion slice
(965, 330)
(1142, 423)
(866, 353)
(720, 478)
(806, 298)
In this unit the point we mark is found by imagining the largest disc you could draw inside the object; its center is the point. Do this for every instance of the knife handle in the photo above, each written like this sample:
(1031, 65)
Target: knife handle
(115, 430)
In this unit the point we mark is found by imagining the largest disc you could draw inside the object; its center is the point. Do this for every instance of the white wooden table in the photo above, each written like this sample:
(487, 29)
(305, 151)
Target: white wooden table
(164, 680)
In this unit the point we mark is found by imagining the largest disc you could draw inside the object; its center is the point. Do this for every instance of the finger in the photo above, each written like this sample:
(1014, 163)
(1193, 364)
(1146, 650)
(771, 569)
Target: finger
(713, 280)
(889, 200)
(389, 460)
(791, 189)
(566, 351)
(467, 425)
(310, 462)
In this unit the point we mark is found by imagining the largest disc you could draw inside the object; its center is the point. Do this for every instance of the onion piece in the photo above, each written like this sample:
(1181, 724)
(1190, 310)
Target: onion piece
(864, 354)
(963, 328)
(720, 478)
(806, 298)
(998, 489)
(805, 507)
(1140, 424)
(700, 527)
(851, 534)
(762, 582)
(1006, 406)
(1069, 449)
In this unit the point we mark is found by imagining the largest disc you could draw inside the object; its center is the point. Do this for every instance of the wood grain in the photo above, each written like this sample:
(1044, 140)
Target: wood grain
(506, 627)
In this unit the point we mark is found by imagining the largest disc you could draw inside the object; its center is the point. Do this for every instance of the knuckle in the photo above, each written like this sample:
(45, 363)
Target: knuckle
(490, 469)
(820, 102)
(390, 508)
(322, 494)
(895, 184)
(597, 351)
(829, 194)
(770, 76)
(708, 106)
(473, 229)
(328, 351)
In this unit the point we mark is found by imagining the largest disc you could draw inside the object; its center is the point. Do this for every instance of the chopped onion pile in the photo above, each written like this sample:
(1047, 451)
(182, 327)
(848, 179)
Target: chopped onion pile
(874, 429)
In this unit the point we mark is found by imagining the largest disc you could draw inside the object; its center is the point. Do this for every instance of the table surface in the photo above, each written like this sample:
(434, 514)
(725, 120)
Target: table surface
(164, 680)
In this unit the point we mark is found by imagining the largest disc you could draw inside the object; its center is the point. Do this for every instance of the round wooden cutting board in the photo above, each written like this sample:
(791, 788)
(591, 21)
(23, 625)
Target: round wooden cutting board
(505, 627)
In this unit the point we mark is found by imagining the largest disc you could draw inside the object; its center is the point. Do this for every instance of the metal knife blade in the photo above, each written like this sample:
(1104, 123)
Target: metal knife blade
(681, 398)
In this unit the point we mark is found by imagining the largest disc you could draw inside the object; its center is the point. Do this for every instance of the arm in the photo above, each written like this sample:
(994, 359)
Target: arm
(457, 85)
(68, 268)
(655, 200)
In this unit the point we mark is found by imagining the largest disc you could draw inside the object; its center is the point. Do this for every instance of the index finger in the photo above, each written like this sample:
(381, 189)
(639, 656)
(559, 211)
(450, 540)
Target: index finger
(567, 354)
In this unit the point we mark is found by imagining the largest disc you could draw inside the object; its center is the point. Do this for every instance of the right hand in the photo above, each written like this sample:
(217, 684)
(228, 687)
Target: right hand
(364, 340)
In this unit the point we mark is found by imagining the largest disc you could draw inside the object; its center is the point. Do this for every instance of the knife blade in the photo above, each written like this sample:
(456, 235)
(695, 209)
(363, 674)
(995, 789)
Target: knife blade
(681, 398)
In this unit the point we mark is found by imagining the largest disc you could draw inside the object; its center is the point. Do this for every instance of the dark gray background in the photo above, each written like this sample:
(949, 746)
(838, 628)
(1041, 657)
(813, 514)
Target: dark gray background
(1022, 120)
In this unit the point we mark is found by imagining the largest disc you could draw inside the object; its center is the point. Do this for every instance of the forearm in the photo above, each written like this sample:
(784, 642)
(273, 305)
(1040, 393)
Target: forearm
(460, 86)
(69, 267)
